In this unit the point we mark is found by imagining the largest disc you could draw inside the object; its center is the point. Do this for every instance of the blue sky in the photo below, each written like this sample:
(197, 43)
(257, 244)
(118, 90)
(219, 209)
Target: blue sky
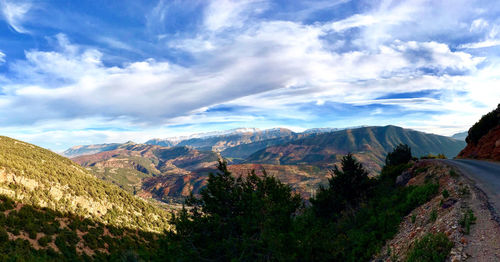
(84, 72)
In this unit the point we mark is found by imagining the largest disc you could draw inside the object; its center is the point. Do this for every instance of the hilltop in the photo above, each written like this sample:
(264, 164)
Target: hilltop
(483, 139)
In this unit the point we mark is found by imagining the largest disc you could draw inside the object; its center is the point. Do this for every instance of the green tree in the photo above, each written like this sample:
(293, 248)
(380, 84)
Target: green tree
(244, 219)
(400, 155)
(345, 188)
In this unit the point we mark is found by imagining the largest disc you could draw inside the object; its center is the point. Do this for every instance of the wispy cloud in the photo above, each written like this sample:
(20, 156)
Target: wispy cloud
(14, 13)
(222, 64)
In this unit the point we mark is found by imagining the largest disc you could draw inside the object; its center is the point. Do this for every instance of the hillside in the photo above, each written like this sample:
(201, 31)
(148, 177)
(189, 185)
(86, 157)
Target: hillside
(52, 209)
(368, 144)
(35, 176)
(483, 139)
(146, 167)
(460, 136)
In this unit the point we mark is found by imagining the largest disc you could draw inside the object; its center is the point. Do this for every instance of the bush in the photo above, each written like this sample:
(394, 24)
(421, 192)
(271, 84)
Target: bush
(445, 194)
(400, 155)
(467, 220)
(431, 248)
(44, 241)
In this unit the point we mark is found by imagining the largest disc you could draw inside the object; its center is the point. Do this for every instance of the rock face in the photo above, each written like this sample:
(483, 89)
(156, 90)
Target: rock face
(483, 140)
(488, 147)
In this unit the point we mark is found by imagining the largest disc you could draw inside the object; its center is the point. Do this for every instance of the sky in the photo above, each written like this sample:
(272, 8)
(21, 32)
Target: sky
(87, 72)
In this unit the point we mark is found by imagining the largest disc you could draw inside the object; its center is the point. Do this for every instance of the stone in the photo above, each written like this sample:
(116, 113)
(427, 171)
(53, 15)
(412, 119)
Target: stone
(403, 179)
(448, 203)
(463, 240)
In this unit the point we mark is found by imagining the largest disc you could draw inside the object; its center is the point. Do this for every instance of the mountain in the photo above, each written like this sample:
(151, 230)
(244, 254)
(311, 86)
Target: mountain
(91, 149)
(369, 144)
(55, 210)
(483, 139)
(130, 167)
(460, 136)
(218, 141)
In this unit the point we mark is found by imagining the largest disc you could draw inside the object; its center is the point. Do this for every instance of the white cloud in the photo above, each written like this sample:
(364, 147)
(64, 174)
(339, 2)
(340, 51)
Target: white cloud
(222, 14)
(2, 57)
(478, 25)
(14, 13)
(267, 67)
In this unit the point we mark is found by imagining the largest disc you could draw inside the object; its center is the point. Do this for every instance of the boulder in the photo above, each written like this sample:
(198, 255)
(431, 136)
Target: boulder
(403, 179)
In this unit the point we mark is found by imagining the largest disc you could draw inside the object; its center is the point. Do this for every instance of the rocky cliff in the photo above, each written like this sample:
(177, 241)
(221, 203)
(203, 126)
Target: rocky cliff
(483, 139)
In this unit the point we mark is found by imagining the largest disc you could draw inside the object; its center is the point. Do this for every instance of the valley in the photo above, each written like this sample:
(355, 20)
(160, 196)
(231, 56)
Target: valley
(170, 169)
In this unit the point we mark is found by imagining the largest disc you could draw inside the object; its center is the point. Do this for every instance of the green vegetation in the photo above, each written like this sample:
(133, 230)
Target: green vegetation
(41, 178)
(467, 220)
(445, 194)
(58, 238)
(431, 156)
(400, 155)
(258, 218)
(255, 218)
(431, 248)
(245, 219)
(346, 189)
(433, 215)
(483, 126)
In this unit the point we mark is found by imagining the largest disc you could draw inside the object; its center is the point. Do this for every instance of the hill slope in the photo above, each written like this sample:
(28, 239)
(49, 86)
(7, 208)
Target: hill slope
(35, 176)
(369, 144)
(149, 166)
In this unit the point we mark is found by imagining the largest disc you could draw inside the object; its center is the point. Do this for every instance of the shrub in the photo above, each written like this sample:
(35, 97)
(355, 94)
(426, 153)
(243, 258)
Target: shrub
(445, 194)
(467, 220)
(433, 215)
(44, 241)
(430, 248)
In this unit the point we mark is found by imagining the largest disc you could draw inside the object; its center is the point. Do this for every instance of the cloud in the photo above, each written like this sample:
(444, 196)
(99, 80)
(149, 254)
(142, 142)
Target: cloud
(2, 57)
(222, 14)
(262, 70)
(14, 13)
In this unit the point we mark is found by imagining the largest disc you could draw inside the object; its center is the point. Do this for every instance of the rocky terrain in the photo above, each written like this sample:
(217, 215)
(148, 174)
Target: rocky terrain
(460, 211)
(488, 147)
(483, 139)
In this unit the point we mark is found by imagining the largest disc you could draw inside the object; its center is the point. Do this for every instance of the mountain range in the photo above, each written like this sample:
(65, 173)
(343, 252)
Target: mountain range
(303, 160)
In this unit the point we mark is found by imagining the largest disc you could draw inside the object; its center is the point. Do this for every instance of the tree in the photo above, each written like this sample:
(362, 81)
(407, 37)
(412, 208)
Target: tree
(345, 188)
(235, 219)
(400, 155)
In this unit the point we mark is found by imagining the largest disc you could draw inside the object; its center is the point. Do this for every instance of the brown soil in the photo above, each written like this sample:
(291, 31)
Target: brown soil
(483, 241)
(488, 147)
